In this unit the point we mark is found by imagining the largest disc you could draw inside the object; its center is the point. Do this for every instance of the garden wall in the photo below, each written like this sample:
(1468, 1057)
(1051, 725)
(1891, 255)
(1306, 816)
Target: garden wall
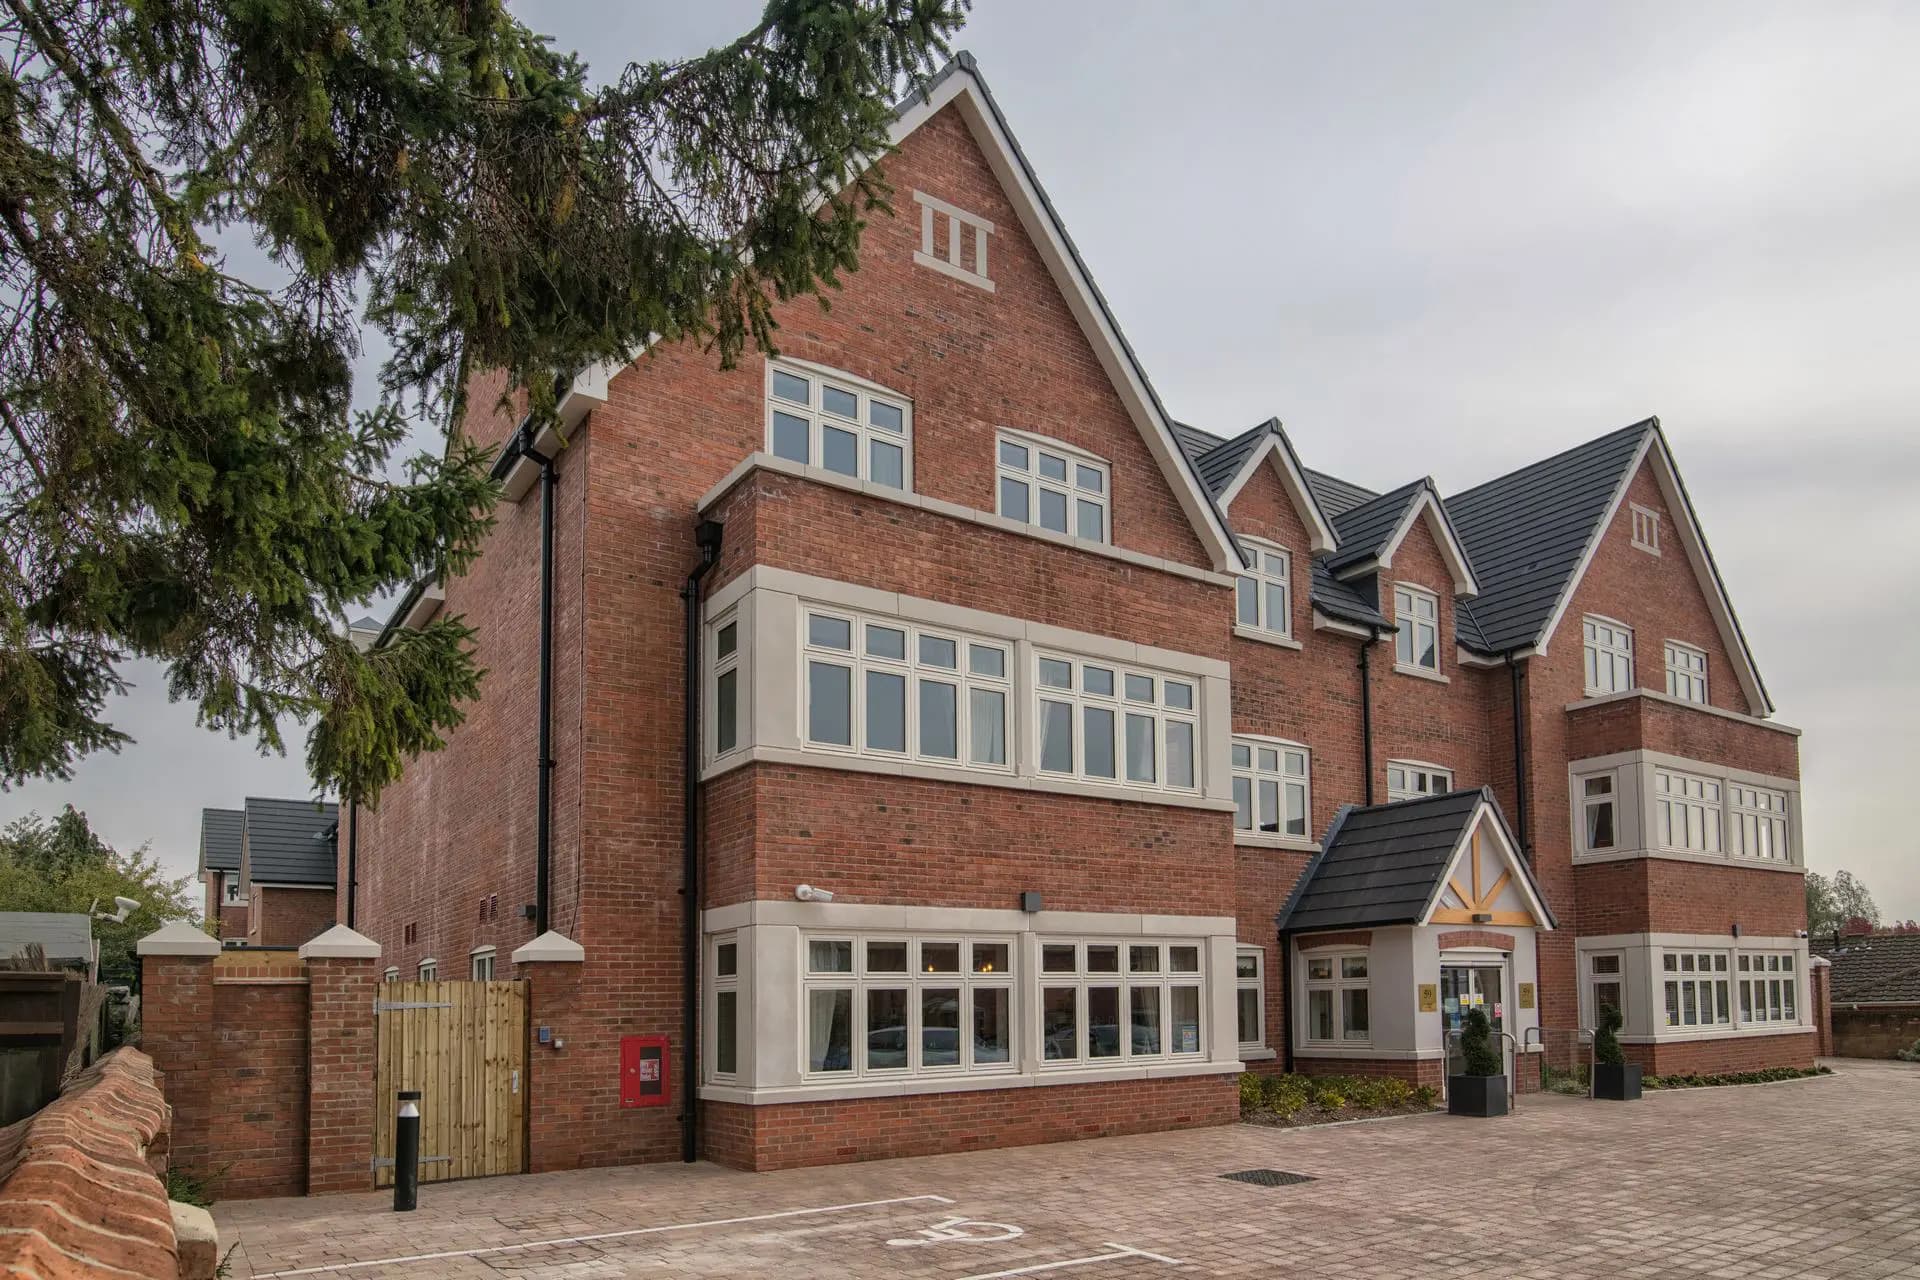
(1875, 1031)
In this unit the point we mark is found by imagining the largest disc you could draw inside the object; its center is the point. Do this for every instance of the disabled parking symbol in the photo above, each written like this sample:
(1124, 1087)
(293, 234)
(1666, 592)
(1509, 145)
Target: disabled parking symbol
(961, 1231)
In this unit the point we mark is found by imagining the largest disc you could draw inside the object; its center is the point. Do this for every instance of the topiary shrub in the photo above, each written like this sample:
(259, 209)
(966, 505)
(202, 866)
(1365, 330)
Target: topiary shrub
(1606, 1043)
(1476, 1045)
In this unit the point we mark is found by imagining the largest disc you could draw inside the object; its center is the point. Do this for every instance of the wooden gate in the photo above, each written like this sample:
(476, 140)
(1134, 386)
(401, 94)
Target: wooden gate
(463, 1045)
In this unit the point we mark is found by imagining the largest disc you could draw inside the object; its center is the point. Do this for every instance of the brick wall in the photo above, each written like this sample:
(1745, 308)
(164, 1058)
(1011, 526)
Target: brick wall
(231, 920)
(1873, 1032)
(283, 917)
(80, 1189)
(802, 1134)
(1724, 1054)
(255, 1117)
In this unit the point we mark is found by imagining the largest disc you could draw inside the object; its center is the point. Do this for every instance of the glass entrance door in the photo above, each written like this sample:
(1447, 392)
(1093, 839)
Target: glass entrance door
(1463, 987)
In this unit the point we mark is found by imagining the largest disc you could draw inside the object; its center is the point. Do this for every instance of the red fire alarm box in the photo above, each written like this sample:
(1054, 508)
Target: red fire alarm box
(643, 1071)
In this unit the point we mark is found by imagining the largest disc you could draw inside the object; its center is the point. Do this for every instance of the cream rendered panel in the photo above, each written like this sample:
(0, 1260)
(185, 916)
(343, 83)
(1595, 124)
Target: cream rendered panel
(775, 640)
(1392, 1001)
(1222, 1039)
(775, 1019)
(1429, 1031)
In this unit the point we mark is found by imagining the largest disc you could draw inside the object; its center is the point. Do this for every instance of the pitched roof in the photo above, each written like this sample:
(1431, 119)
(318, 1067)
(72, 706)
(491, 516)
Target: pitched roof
(1365, 528)
(287, 841)
(1336, 496)
(63, 935)
(220, 839)
(1874, 968)
(1343, 600)
(1385, 864)
(1528, 531)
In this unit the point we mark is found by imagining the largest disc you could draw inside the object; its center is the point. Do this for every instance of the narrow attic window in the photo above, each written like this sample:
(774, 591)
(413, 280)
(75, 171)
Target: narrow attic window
(1646, 529)
(949, 253)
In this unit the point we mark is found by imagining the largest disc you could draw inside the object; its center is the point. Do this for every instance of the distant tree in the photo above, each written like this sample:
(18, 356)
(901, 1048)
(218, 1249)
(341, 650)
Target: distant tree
(61, 865)
(182, 476)
(1833, 905)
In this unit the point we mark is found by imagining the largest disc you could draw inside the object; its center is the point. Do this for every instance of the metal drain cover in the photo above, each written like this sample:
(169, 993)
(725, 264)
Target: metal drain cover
(1267, 1177)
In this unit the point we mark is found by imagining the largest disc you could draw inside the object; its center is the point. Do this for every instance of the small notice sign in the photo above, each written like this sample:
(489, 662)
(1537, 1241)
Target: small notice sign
(1429, 997)
(1526, 995)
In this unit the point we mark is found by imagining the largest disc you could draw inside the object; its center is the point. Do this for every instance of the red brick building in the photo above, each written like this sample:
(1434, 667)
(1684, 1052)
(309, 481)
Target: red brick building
(268, 870)
(1043, 741)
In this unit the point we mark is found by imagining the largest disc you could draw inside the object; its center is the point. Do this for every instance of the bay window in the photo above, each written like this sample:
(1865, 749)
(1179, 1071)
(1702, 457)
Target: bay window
(874, 1007)
(1338, 991)
(839, 423)
(1599, 812)
(1416, 641)
(724, 662)
(1264, 599)
(1767, 987)
(1608, 651)
(1106, 723)
(1250, 997)
(1111, 1001)
(1696, 988)
(1055, 486)
(888, 688)
(725, 1042)
(1271, 787)
(1757, 823)
(1606, 984)
(1686, 811)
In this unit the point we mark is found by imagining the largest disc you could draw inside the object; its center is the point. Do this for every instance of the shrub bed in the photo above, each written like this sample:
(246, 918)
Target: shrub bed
(1300, 1100)
(1767, 1076)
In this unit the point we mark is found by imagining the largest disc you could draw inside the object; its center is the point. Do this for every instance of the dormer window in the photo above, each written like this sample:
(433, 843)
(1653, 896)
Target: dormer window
(842, 424)
(953, 241)
(1416, 644)
(1265, 600)
(1646, 529)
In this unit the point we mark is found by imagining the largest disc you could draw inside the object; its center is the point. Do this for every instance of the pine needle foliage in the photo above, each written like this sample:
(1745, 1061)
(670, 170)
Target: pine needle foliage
(182, 474)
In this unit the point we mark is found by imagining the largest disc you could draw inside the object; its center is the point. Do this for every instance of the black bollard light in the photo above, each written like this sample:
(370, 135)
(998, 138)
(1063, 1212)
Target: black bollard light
(406, 1153)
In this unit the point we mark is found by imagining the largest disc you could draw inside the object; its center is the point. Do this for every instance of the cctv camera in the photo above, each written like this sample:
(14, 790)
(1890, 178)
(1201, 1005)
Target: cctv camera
(1799, 933)
(807, 893)
(128, 905)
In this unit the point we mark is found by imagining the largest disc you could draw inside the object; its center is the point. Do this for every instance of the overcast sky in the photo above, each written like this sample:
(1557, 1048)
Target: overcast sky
(1452, 240)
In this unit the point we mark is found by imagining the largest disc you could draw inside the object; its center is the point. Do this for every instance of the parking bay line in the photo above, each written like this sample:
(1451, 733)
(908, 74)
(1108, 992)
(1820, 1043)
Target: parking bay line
(1119, 1251)
(605, 1235)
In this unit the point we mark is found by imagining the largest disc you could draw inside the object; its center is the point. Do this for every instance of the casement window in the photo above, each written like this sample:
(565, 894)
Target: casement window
(392, 973)
(480, 964)
(1696, 988)
(878, 1007)
(1416, 642)
(1265, 594)
(1409, 781)
(1686, 673)
(1757, 823)
(895, 689)
(1609, 655)
(1338, 990)
(839, 423)
(1599, 813)
(724, 1044)
(1767, 987)
(724, 662)
(1646, 528)
(1271, 787)
(1250, 996)
(1043, 482)
(1106, 723)
(1686, 811)
(429, 971)
(1104, 1002)
(1606, 983)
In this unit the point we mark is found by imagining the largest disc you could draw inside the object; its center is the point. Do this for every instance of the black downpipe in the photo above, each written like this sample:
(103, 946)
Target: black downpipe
(1286, 985)
(1366, 710)
(706, 536)
(543, 805)
(353, 857)
(1519, 765)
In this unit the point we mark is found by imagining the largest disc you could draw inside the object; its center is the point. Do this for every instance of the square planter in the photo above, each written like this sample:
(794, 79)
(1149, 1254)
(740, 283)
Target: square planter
(1477, 1095)
(1620, 1084)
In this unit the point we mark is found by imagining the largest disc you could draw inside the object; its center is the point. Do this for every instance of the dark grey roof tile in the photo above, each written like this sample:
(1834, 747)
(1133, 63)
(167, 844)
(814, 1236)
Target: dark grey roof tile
(220, 839)
(288, 841)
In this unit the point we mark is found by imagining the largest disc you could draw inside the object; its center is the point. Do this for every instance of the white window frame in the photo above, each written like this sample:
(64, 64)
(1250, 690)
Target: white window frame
(721, 665)
(957, 218)
(1409, 624)
(1597, 978)
(1592, 798)
(1686, 672)
(1121, 704)
(1689, 802)
(861, 981)
(1126, 978)
(480, 964)
(723, 984)
(392, 973)
(1076, 486)
(1696, 984)
(1438, 780)
(428, 971)
(1607, 655)
(915, 670)
(1767, 989)
(1646, 528)
(1253, 782)
(1263, 596)
(1759, 828)
(1254, 959)
(1336, 983)
(864, 427)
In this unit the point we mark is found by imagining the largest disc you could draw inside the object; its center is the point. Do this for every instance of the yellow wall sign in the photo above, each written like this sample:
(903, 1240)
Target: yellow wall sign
(1429, 997)
(1526, 995)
